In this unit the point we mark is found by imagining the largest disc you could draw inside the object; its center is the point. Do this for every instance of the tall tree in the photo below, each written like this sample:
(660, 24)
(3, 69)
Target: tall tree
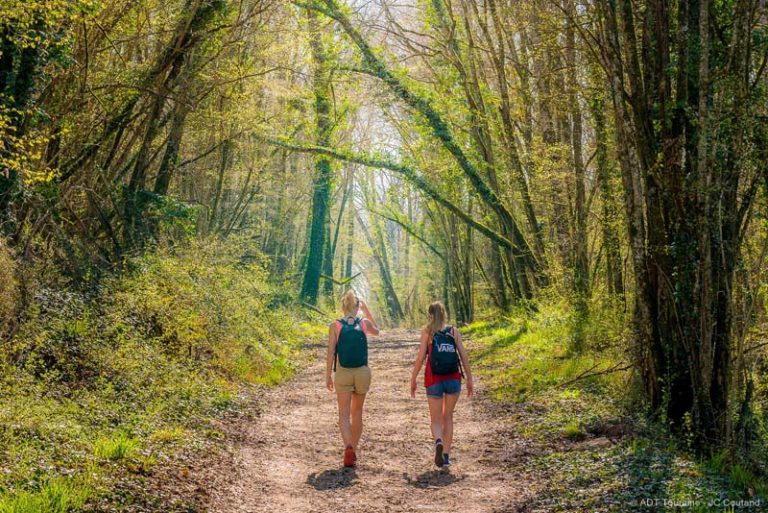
(687, 153)
(610, 212)
(321, 195)
(580, 253)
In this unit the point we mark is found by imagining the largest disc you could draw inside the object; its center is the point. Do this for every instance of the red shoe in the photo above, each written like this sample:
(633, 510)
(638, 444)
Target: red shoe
(350, 458)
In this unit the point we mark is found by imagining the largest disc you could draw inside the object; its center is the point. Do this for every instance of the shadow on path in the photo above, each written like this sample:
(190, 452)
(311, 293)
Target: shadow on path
(332, 479)
(433, 479)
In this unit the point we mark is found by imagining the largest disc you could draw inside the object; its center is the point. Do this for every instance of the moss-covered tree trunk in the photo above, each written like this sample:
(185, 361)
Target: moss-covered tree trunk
(350, 244)
(321, 195)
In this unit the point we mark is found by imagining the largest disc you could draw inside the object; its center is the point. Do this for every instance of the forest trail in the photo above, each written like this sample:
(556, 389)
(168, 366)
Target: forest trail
(290, 458)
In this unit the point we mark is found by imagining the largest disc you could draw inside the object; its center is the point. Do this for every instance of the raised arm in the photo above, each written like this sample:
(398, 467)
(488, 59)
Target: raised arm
(369, 323)
(331, 355)
(465, 364)
(423, 343)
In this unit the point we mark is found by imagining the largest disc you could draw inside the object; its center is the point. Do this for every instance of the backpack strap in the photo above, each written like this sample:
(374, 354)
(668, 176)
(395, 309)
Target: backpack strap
(339, 327)
(454, 337)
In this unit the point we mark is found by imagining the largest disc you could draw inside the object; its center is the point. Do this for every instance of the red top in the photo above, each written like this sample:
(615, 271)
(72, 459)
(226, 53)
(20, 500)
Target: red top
(433, 379)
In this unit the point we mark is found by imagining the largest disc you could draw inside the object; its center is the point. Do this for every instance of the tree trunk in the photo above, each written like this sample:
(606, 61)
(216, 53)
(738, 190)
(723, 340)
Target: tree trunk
(581, 256)
(611, 244)
(328, 261)
(171, 155)
(350, 244)
(330, 252)
(686, 250)
(323, 172)
(380, 255)
(224, 163)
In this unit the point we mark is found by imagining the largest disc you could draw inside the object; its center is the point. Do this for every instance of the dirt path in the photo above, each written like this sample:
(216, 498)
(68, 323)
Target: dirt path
(290, 461)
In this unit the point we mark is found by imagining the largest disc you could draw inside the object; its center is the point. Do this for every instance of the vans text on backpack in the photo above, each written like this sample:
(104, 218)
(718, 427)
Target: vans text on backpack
(444, 356)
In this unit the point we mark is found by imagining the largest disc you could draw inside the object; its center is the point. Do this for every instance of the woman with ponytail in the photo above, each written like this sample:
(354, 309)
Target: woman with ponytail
(347, 358)
(447, 362)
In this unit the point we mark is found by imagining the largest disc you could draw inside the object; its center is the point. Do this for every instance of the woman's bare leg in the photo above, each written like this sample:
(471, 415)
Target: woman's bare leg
(345, 399)
(436, 416)
(449, 404)
(357, 419)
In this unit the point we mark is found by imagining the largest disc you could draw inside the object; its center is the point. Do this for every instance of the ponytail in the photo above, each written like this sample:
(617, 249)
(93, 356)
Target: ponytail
(439, 317)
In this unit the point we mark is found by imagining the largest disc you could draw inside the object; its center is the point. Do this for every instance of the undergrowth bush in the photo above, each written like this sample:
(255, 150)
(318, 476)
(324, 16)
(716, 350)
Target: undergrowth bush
(101, 383)
(568, 398)
(526, 353)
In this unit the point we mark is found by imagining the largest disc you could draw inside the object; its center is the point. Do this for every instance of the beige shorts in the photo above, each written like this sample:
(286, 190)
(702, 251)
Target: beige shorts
(357, 380)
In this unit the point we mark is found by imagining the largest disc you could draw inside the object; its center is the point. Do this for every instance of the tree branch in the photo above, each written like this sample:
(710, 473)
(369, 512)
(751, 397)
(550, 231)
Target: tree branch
(408, 172)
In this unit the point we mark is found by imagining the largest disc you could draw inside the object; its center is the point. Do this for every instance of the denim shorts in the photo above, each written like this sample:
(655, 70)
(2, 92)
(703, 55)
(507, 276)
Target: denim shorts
(449, 387)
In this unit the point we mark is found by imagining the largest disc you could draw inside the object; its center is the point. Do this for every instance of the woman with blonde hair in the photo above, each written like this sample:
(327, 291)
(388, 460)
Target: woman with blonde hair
(444, 352)
(347, 357)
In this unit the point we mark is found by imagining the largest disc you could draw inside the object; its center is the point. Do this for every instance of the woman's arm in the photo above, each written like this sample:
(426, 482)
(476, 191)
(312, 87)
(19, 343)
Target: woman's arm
(331, 355)
(465, 364)
(369, 326)
(423, 342)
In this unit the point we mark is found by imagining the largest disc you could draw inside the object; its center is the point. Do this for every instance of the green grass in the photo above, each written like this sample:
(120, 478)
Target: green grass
(169, 435)
(116, 448)
(54, 495)
(573, 430)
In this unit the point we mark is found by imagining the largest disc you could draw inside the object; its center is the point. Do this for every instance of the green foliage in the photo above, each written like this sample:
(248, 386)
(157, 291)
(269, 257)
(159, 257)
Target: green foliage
(106, 384)
(741, 477)
(209, 307)
(718, 462)
(526, 354)
(171, 214)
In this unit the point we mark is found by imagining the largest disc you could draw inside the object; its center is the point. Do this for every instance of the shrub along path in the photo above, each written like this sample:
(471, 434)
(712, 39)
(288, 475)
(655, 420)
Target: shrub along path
(290, 455)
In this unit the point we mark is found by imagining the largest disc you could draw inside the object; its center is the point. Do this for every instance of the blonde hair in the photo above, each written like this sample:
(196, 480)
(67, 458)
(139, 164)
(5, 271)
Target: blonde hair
(350, 303)
(439, 317)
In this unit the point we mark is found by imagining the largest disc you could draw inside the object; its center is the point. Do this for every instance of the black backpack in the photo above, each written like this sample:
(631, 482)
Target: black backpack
(444, 356)
(352, 345)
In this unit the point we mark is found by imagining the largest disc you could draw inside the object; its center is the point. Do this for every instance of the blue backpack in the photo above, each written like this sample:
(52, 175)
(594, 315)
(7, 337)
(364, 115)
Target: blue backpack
(444, 356)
